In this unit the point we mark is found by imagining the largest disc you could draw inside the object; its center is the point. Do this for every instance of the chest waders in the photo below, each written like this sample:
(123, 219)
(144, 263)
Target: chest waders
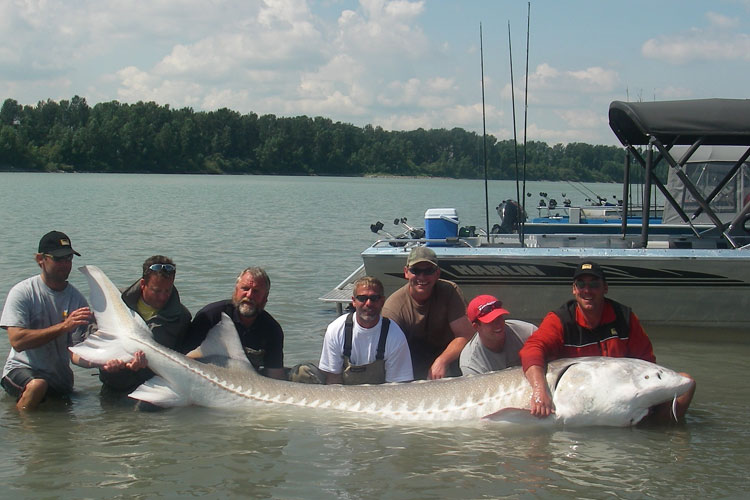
(371, 373)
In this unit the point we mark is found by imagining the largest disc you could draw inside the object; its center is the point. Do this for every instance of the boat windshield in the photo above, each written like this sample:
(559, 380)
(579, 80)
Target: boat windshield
(706, 176)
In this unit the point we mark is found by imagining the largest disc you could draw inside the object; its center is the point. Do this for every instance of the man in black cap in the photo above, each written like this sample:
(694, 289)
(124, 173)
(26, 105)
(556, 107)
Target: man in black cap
(44, 315)
(588, 325)
(432, 314)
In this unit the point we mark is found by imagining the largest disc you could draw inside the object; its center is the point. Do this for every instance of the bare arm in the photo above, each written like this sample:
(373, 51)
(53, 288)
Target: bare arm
(22, 339)
(463, 331)
(114, 365)
(541, 402)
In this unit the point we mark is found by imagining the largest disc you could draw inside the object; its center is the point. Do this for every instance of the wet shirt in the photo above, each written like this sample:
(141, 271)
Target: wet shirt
(364, 348)
(32, 304)
(168, 326)
(476, 358)
(426, 326)
(548, 342)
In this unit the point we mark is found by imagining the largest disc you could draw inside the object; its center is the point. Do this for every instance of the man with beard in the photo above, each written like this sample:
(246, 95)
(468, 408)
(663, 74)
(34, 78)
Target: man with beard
(362, 347)
(260, 334)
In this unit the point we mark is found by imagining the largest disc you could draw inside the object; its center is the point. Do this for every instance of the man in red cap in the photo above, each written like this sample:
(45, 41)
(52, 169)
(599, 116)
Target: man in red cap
(498, 340)
(588, 325)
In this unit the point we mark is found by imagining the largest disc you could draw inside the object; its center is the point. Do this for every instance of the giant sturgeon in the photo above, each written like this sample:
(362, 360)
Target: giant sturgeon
(586, 391)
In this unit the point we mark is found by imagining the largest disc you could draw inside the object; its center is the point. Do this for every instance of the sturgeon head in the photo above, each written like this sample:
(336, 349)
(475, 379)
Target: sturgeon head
(610, 391)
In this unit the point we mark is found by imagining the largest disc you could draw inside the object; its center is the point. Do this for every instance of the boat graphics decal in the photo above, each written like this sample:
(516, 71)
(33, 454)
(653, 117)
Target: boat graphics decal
(483, 272)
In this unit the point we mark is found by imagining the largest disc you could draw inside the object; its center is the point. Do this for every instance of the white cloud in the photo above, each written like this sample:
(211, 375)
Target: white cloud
(596, 78)
(718, 41)
(583, 118)
(721, 21)
(383, 28)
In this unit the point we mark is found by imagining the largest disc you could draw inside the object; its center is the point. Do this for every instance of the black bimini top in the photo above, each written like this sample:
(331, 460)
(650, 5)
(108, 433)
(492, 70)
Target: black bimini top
(716, 121)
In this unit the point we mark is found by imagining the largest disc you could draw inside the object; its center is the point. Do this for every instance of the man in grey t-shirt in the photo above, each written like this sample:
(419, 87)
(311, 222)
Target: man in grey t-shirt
(496, 344)
(44, 315)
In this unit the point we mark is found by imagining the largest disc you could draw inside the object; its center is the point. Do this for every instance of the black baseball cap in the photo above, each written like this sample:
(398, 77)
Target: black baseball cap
(591, 268)
(56, 244)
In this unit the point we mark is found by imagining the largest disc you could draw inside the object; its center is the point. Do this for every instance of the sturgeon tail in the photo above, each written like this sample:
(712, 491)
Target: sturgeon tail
(116, 325)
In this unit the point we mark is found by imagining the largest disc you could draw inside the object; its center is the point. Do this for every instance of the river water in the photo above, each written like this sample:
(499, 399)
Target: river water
(308, 232)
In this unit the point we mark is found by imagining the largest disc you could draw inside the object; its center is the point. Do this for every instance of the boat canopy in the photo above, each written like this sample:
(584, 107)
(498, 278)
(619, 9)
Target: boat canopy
(697, 124)
(712, 121)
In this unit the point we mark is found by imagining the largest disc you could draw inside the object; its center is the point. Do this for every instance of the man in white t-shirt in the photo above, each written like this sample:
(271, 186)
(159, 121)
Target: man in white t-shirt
(496, 344)
(363, 347)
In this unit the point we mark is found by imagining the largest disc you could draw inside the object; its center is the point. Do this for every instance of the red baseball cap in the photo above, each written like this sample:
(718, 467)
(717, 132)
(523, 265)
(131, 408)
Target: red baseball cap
(485, 308)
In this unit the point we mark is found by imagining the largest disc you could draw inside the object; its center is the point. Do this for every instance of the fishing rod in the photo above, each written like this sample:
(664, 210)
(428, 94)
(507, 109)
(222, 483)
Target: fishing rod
(525, 117)
(599, 199)
(515, 135)
(484, 139)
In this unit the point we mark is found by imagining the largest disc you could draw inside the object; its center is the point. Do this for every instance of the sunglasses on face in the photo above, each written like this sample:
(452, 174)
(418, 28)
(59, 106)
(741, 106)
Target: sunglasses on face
(364, 298)
(65, 258)
(593, 284)
(167, 268)
(487, 308)
(423, 271)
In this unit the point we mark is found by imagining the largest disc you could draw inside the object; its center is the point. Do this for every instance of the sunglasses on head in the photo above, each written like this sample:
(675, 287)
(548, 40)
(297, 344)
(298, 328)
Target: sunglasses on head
(424, 271)
(167, 268)
(64, 258)
(593, 284)
(487, 308)
(364, 298)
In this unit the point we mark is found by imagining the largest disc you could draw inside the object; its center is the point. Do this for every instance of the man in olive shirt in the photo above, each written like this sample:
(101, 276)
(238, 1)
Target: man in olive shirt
(155, 298)
(432, 314)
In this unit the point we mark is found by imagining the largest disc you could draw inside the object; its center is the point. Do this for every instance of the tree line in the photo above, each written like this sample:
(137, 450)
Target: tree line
(146, 137)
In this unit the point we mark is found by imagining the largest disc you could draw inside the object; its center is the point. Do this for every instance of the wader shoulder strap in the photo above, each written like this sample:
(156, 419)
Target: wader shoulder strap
(383, 335)
(348, 332)
(348, 327)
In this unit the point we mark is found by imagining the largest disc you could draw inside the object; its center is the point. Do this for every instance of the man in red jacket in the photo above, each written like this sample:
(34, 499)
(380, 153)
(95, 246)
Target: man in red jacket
(588, 325)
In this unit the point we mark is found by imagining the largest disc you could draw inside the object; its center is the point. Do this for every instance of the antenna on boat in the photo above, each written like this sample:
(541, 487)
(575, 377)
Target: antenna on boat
(484, 138)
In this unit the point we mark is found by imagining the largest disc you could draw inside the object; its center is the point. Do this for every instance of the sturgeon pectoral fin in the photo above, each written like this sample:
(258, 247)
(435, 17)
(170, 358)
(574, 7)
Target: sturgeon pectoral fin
(512, 416)
(157, 391)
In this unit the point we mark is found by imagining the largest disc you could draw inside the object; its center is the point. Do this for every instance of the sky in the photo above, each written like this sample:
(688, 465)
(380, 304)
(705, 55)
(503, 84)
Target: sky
(397, 64)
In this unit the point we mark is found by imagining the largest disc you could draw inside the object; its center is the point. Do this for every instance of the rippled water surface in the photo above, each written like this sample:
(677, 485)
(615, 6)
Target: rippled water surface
(308, 232)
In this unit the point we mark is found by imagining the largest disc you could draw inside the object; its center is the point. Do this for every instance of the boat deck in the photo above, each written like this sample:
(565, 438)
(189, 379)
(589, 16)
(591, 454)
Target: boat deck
(341, 294)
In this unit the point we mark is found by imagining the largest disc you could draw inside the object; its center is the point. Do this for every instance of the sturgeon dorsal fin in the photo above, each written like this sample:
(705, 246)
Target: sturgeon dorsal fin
(222, 341)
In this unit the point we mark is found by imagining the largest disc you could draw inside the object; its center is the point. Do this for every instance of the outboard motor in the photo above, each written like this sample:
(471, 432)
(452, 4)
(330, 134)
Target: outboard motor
(511, 215)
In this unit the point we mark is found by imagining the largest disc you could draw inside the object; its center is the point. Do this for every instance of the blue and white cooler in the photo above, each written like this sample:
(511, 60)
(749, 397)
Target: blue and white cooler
(440, 223)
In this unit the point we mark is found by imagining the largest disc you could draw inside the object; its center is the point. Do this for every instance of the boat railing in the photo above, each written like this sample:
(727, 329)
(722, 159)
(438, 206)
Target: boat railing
(342, 293)
(470, 242)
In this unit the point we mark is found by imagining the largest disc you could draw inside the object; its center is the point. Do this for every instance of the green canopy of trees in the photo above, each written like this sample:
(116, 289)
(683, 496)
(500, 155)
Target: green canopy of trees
(146, 137)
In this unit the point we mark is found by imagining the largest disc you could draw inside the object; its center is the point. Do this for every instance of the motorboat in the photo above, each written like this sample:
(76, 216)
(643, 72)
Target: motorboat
(691, 267)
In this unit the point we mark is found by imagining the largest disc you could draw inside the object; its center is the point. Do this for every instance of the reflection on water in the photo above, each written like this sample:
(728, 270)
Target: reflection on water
(308, 233)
